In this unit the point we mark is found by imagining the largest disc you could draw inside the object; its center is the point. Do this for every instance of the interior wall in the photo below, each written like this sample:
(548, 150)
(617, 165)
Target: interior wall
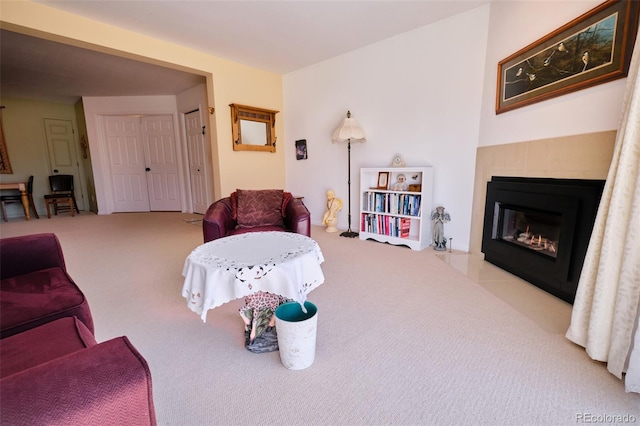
(233, 83)
(571, 136)
(413, 95)
(398, 89)
(514, 25)
(409, 103)
(248, 169)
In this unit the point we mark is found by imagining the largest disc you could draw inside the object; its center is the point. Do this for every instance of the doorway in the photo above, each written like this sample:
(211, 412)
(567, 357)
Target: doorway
(63, 158)
(143, 167)
(197, 161)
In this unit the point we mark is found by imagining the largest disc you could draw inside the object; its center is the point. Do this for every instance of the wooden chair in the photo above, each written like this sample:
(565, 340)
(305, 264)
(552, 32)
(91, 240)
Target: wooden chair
(62, 195)
(16, 198)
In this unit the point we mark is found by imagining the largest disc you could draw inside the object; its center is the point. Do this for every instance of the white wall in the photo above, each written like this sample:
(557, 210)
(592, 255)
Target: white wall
(417, 94)
(429, 95)
(514, 25)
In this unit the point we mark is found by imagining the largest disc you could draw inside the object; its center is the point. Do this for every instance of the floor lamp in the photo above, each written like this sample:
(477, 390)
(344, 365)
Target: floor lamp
(349, 131)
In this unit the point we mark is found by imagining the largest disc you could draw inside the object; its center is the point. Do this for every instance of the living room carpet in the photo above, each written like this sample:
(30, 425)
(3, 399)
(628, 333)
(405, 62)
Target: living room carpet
(403, 337)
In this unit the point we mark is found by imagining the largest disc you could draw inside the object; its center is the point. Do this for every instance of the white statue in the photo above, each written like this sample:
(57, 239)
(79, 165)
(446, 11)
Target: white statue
(439, 218)
(334, 205)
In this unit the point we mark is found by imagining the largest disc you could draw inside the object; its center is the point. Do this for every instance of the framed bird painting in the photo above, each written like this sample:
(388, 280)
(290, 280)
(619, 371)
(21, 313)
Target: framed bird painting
(592, 49)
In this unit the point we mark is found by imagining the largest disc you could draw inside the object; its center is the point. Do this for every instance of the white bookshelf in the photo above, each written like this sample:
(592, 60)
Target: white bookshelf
(385, 211)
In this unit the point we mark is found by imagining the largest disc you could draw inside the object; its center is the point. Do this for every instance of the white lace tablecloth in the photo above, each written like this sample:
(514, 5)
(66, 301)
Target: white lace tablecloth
(229, 268)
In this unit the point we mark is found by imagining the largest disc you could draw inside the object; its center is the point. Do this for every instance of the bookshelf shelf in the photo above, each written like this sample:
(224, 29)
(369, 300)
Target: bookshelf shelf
(395, 205)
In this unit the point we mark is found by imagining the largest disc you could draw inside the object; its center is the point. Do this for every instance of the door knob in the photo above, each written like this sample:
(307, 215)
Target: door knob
(55, 170)
(147, 169)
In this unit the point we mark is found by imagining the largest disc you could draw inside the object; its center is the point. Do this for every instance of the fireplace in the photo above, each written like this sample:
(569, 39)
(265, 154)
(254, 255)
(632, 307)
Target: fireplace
(539, 229)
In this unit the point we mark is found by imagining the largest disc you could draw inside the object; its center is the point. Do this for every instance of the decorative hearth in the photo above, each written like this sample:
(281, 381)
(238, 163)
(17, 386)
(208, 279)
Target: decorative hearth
(539, 229)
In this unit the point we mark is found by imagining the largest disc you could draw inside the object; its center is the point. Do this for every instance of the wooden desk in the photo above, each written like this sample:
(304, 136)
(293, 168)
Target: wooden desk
(22, 187)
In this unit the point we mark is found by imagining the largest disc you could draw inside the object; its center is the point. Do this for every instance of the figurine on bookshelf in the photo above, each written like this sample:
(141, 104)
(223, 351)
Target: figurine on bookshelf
(330, 218)
(439, 217)
(401, 184)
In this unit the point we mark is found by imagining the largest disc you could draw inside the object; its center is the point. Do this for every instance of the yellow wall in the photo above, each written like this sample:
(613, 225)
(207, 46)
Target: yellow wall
(227, 82)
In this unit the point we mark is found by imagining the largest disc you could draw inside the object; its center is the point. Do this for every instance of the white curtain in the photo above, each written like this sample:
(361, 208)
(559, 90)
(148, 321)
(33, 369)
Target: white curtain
(605, 312)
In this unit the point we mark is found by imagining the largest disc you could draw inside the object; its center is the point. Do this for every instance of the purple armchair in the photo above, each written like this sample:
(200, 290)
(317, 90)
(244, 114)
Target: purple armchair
(221, 219)
(58, 374)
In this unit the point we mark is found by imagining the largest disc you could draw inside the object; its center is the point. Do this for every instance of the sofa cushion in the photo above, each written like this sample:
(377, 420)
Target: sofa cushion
(259, 208)
(286, 197)
(234, 205)
(44, 343)
(36, 298)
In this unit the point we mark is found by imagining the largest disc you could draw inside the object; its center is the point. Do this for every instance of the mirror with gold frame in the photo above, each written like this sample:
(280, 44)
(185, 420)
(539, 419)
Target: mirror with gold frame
(253, 129)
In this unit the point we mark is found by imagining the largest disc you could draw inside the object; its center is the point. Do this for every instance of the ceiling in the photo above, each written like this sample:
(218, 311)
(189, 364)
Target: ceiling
(279, 36)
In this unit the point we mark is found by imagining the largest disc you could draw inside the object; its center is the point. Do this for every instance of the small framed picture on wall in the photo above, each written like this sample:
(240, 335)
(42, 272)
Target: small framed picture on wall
(301, 149)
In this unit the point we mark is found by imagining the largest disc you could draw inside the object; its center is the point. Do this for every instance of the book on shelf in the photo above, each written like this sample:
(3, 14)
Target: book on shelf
(382, 224)
(393, 203)
(405, 227)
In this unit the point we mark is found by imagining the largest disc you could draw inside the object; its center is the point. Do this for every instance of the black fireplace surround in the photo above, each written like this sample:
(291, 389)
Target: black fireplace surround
(539, 229)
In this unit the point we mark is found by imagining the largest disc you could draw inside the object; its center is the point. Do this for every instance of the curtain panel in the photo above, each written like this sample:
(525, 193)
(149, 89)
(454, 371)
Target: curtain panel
(605, 312)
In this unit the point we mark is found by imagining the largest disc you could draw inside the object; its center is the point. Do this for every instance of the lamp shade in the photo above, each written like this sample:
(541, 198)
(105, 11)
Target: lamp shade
(349, 130)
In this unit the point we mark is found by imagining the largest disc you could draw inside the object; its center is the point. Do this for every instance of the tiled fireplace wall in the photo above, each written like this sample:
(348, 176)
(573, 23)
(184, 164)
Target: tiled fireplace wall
(585, 156)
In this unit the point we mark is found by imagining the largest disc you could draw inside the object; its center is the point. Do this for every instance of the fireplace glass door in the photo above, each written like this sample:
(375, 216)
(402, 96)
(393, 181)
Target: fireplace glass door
(532, 230)
(539, 229)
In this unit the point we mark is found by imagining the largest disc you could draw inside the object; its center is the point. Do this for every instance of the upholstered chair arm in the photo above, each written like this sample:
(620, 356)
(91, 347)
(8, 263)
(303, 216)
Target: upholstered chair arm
(218, 220)
(105, 384)
(30, 253)
(297, 217)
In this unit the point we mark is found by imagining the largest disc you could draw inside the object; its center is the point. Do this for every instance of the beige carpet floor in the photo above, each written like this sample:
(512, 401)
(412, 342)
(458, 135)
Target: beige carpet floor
(404, 337)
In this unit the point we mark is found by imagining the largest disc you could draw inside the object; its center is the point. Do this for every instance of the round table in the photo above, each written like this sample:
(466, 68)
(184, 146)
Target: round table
(281, 263)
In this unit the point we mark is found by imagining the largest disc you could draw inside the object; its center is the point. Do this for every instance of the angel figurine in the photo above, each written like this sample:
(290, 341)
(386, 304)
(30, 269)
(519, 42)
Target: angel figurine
(439, 217)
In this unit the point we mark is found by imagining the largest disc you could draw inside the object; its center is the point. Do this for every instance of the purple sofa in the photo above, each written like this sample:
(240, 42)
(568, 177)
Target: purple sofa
(221, 219)
(52, 370)
(57, 374)
(35, 287)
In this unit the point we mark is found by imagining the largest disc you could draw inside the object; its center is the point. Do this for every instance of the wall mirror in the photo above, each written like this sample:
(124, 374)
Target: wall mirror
(253, 129)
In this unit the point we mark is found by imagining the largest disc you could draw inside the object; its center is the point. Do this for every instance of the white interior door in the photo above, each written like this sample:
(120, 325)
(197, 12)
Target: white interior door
(62, 153)
(127, 164)
(159, 145)
(143, 164)
(196, 149)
